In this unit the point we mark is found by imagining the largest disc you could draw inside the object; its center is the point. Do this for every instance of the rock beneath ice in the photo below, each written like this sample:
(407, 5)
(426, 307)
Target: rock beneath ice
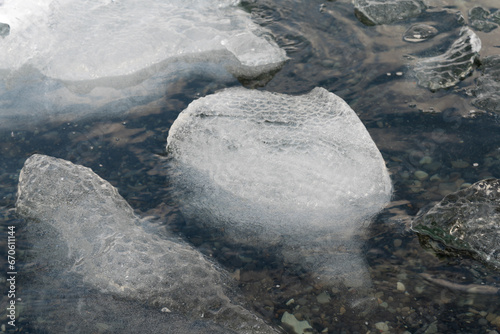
(447, 69)
(300, 171)
(373, 12)
(487, 90)
(85, 231)
(465, 221)
(65, 55)
(298, 327)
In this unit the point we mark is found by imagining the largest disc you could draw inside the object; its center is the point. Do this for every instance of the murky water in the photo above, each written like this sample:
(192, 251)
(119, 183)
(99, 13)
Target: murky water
(418, 131)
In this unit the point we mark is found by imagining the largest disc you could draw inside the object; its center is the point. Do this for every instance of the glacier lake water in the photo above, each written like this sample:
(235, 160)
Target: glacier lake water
(433, 141)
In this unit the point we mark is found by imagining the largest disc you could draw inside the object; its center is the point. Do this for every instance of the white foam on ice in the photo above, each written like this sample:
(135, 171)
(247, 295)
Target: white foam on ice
(70, 51)
(269, 168)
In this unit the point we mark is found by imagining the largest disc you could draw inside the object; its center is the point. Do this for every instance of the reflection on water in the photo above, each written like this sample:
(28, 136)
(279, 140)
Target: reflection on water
(433, 142)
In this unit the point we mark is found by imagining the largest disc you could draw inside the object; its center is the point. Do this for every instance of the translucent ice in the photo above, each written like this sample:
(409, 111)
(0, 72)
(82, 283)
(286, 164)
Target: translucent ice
(301, 171)
(84, 230)
(465, 221)
(419, 32)
(62, 55)
(447, 69)
(75, 40)
(487, 90)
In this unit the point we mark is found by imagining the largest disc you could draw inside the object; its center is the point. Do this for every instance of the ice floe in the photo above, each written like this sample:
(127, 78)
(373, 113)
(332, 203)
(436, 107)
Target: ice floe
(77, 57)
(88, 235)
(269, 169)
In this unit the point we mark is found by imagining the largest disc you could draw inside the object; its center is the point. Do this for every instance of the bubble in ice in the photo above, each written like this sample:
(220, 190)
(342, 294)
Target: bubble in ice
(88, 234)
(271, 169)
(419, 32)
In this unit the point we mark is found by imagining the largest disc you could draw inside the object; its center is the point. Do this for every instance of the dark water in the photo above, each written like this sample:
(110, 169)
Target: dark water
(415, 129)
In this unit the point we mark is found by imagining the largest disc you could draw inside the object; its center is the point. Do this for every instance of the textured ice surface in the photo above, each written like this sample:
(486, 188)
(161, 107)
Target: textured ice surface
(372, 12)
(75, 56)
(83, 228)
(75, 40)
(447, 69)
(465, 221)
(487, 90)
(270, 168)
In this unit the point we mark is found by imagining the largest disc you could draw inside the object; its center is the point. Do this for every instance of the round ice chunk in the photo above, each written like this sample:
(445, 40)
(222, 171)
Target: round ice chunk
(297, 172)
(265, 165)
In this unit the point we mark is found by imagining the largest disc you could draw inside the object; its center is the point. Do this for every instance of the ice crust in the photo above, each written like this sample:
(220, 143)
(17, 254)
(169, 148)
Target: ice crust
(268, 169)
(82, 227)
(75, 56)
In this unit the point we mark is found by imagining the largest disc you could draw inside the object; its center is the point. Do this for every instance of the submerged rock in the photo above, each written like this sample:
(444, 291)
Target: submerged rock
(86, 232)
(269, 169)
(298, 327)
(465, 221)
(487, 90)
(447, 69)
(373, 12)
